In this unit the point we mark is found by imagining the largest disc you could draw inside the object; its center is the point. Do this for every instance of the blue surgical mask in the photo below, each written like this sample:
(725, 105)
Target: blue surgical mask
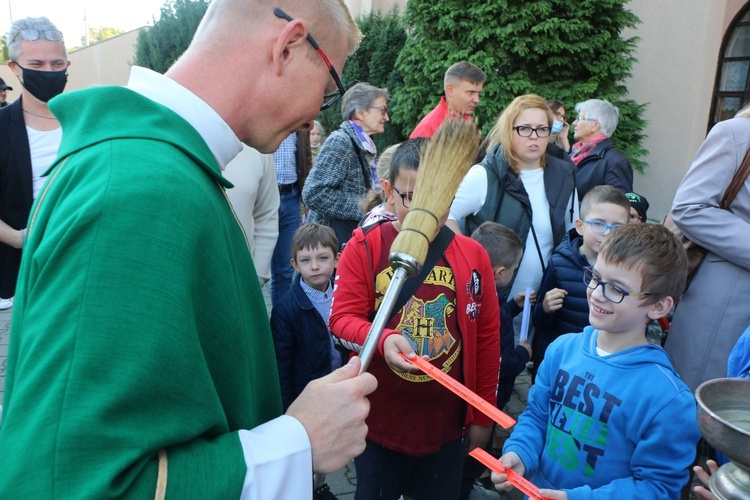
(557, 126)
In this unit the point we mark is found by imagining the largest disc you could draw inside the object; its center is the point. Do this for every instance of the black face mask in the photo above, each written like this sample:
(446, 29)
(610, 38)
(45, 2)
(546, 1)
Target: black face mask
(44, 85)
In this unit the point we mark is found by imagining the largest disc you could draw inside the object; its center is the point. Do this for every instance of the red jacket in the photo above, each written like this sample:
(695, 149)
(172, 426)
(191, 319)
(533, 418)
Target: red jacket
(432, 121)
(476, 300)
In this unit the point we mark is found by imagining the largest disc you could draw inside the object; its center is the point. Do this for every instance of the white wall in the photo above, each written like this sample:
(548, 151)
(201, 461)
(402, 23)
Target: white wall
(678, 55)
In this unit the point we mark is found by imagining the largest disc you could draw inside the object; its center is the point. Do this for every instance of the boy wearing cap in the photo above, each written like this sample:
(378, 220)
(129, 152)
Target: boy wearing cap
(638, 207)
(4, 88)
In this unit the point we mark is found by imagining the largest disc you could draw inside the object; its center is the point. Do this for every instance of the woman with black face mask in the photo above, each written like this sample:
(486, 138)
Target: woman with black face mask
(29, 135)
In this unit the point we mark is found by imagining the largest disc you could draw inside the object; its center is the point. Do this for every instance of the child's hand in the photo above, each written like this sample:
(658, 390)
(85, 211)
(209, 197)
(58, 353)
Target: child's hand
(553, 494)
(394, 344)
(519, 299)
(510, 460)
(703, 491)
(553, 300)
(525, 344)
(477, 436)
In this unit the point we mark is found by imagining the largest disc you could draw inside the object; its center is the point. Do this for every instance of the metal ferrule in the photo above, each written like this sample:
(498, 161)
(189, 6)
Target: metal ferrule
(382, 317)
(399, 260)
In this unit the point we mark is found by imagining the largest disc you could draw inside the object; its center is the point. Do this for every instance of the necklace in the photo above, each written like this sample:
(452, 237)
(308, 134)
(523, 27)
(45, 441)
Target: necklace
(39, 116)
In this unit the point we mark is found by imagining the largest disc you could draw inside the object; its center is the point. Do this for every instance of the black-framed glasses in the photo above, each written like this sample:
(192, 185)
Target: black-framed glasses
(405, 197)
(383, 109)
(560, 115)
(31, 35)
(600, 227)
(526, 131)
(611, 292)
(328, 99)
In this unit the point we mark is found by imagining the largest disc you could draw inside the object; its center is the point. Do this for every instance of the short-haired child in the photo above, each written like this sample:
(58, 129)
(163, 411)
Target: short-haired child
(416, 427)
(505, 250)
(638, 207)
(608, 417)
(563, 307)
(299, 322)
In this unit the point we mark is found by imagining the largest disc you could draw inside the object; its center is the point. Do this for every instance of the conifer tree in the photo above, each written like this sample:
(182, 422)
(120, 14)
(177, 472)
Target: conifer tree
(374, 63)
(571, 51)
(160, 46)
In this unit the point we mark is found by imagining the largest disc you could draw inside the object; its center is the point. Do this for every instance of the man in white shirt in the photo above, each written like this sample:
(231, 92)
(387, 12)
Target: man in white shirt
(29, 135)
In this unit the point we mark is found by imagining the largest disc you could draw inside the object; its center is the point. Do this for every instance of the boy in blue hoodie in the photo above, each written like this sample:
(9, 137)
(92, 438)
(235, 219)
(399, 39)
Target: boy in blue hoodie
(562, 306)
(608, 416)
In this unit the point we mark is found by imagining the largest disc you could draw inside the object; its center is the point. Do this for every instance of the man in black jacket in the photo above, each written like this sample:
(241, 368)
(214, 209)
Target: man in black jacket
(40, 62)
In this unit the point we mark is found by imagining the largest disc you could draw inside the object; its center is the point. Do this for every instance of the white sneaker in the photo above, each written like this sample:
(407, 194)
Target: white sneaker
(6, 304)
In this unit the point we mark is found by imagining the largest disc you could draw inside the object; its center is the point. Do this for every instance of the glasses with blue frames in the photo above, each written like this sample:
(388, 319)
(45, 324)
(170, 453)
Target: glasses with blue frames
(600, 227)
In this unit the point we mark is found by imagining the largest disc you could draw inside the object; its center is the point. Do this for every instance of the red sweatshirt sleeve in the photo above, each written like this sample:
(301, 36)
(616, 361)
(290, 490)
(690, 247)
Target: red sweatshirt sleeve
(354, 297)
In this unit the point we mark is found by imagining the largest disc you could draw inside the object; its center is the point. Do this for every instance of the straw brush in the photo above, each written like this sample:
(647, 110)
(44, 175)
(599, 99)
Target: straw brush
(445, 159)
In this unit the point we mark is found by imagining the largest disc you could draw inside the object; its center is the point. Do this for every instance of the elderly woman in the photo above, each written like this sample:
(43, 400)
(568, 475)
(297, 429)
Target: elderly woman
(520, 186)
(713, 312)
(342, 174)
(597, 160)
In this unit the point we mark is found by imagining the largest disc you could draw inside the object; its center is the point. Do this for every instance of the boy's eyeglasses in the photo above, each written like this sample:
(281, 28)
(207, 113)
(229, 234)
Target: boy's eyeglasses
(31, 35)
(383, 109)
(612, 293)
(328, 99)
(600, 227)
(405, 197)
(525, 131)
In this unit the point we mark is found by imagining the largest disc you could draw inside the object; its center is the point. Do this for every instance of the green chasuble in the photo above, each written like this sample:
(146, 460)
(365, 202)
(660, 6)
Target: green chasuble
(139, 323)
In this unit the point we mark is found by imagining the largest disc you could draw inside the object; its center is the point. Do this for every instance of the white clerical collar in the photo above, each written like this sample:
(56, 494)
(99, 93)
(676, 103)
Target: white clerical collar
(219, 137)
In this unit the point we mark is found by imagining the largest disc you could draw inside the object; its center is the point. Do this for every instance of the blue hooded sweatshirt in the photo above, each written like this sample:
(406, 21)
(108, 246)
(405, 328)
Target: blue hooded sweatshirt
(603, 427)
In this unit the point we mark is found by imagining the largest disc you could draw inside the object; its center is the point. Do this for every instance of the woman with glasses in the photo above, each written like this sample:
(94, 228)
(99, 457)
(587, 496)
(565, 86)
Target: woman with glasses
(343, 172)
(596, 159)
(520, 186)
(559, 145)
